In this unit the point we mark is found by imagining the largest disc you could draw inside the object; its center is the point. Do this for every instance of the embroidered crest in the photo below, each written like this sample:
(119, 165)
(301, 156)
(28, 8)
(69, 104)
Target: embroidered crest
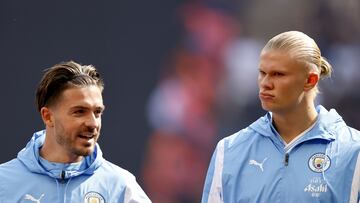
(319, 162)
(93, 197)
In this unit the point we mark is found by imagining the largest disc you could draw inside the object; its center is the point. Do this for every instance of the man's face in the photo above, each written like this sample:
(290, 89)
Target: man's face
(281, 82)
(76, 121)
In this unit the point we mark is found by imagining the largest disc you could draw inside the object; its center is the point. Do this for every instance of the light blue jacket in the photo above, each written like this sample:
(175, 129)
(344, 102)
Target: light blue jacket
(254, 165)
(29, 178)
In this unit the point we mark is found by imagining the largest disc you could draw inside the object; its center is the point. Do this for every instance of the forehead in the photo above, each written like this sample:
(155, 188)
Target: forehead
(81, 96)
(281, 60)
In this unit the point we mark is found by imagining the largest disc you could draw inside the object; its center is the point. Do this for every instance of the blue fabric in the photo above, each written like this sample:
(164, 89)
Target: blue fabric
(93, 179)
(320, 167)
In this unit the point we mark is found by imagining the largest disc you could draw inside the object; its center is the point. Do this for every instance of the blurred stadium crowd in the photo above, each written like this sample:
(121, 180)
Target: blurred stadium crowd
(208, 84)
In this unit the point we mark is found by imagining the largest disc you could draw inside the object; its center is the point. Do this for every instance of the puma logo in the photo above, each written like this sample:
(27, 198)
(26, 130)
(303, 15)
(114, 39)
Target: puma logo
(260, 165)
(31, 198)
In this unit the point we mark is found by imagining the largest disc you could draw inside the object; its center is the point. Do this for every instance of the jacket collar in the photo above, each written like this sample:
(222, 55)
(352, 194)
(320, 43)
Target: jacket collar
(326, 125)
(30, 157)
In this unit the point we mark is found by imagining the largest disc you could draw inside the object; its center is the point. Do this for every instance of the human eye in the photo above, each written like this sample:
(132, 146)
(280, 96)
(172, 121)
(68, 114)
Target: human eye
(262, 73)
(98, 112)
(78, 112)
(278, 74)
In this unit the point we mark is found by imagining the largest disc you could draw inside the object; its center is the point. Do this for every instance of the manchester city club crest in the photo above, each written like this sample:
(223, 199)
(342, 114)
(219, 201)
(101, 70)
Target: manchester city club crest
(319, 162)
(93, 197)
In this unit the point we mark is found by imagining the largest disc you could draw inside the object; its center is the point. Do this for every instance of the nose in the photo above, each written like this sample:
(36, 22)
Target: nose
(92, 121)
(264, 82)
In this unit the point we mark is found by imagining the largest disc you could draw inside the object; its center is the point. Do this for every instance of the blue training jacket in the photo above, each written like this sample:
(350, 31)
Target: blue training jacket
(29, 178)
(253, 165)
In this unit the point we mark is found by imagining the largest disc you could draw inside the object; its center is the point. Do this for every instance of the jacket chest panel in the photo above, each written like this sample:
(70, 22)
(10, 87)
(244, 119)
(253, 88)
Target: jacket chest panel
(261, 172)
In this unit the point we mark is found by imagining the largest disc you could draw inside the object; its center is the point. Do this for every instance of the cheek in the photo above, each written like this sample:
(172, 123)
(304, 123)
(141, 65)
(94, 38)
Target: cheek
(292, 90)
(72, 125)
(259, 79)
(99, 122)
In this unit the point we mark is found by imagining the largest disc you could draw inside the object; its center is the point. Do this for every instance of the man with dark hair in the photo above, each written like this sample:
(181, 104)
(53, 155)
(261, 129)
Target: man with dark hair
(64, 163)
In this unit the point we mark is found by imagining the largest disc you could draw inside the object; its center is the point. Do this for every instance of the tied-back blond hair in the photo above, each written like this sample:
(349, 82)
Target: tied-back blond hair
(303, 49)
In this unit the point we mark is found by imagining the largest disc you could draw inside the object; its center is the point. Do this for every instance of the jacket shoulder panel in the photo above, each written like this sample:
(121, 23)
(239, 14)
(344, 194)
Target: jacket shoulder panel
(114, 174)
(240, 138)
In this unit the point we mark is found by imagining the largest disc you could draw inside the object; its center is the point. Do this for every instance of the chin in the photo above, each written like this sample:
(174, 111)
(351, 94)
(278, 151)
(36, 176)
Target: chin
(85, 151)
(89, 151)
(272, 107)
(266, 107)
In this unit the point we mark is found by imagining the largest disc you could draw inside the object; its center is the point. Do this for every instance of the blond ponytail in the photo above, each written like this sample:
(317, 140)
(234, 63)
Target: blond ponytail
(325, 68)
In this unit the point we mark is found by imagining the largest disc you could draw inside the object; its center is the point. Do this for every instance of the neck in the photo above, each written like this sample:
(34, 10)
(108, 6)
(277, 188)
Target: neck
(291, 124)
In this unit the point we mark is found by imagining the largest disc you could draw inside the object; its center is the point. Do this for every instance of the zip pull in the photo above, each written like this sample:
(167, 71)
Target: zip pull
(286, 161)
(62, 176)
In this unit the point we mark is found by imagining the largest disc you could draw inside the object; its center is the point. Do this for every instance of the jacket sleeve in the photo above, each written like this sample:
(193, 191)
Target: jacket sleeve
(213, 192)
(134, 193)
(355, 186)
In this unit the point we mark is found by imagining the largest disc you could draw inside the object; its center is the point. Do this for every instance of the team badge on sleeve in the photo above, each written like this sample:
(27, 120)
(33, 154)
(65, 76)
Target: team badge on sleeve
(93, 197)
(319, 162)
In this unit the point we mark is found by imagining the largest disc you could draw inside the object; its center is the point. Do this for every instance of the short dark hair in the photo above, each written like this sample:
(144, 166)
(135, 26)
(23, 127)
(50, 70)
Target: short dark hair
(62, 76)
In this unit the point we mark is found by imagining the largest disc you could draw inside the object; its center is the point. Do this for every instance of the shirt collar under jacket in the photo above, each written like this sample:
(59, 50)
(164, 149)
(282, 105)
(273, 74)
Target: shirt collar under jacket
(325, 126)
(30, 157)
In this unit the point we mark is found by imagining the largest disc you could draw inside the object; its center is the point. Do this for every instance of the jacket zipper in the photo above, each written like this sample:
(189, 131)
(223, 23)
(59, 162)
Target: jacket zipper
(62, 176)
(286, 161)
(287, 156)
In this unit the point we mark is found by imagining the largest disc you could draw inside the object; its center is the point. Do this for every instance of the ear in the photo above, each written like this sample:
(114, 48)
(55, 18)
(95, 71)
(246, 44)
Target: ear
(47, 117)
(311, 82)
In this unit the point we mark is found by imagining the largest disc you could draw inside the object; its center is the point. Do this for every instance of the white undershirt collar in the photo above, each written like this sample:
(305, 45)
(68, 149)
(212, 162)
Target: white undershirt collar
(299, 136)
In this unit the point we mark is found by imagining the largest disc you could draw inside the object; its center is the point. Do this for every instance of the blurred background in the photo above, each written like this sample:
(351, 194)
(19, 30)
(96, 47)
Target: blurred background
(179, 75)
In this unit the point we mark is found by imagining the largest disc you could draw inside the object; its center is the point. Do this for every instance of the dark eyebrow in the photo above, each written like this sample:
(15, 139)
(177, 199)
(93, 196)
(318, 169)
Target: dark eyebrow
(102, 108)
(78, 107)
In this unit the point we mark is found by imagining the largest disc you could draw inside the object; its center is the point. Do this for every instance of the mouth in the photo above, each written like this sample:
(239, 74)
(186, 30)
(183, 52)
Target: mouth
(87, 136)
(265, 96)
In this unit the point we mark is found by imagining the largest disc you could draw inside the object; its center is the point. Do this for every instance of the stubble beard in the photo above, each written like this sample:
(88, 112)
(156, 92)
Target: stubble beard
(75, 149)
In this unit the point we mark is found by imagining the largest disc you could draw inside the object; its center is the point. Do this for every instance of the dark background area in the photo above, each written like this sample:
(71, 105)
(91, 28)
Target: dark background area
(125, 40)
